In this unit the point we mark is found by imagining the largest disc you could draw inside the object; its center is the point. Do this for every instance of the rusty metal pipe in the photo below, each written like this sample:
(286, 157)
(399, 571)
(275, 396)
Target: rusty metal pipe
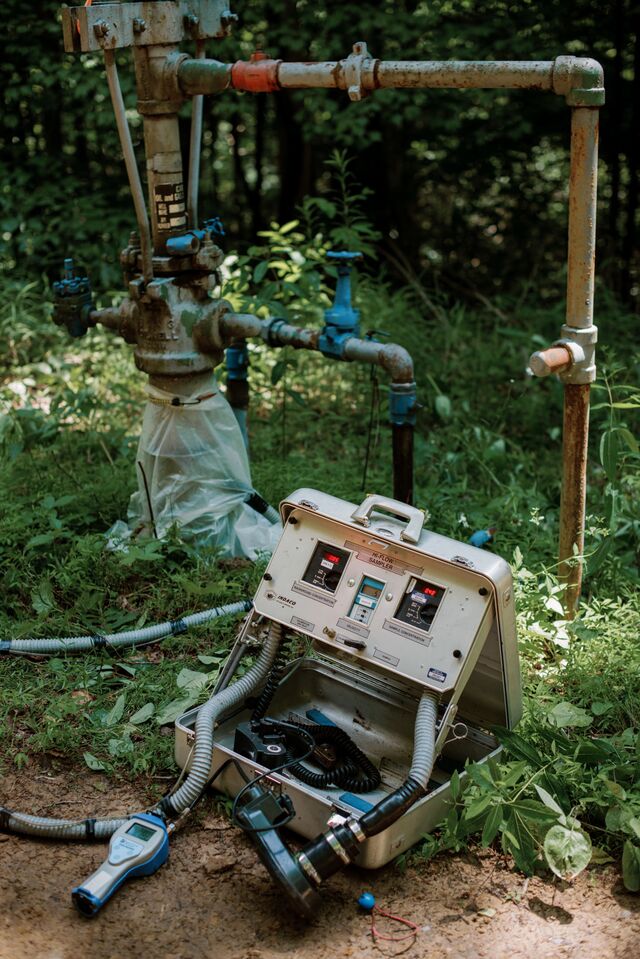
(575, 441)
(583, 185)
(415, 74)
(135, 184)
(391, 357)
(402, 452)
(579, 315)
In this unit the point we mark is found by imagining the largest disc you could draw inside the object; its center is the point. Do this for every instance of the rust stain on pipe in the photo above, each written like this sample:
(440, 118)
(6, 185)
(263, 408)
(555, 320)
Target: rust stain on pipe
(575, 439)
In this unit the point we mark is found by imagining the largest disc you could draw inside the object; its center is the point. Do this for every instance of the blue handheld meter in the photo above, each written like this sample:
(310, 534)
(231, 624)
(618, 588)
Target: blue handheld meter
(137, 848)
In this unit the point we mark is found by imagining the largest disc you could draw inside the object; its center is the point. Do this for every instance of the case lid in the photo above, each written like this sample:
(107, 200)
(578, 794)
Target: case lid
(372, 587)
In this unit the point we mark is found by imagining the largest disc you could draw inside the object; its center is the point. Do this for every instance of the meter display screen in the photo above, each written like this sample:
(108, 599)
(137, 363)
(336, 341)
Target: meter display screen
(138, 831)
(326, 567)
(366, 601)
(419, 604)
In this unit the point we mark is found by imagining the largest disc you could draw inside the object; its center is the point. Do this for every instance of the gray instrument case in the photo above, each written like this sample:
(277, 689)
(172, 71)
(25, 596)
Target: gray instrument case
(389, 609)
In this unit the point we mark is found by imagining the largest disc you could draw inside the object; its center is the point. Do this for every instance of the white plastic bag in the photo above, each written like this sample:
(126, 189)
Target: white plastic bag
(193, 471)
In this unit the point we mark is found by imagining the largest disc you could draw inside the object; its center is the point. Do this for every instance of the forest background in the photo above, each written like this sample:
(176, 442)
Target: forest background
(459, 201)
(468, 187)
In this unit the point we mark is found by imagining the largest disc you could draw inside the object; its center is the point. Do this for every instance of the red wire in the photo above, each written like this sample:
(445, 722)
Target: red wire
(415, 929)
(87, 3)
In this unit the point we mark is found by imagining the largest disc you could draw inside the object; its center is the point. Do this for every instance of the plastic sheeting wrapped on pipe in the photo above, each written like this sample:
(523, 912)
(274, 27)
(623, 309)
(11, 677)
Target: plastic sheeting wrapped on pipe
(193, 471)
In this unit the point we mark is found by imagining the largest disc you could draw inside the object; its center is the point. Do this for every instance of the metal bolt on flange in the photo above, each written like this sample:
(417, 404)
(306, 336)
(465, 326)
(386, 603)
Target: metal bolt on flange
(101, 29)
(139, 25)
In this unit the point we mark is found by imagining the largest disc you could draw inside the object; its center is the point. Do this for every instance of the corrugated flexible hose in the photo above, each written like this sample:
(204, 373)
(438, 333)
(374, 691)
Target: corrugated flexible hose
(197, 778)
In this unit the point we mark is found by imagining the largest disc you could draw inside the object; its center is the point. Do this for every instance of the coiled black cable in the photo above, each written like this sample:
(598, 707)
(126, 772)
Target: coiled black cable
(353, 771)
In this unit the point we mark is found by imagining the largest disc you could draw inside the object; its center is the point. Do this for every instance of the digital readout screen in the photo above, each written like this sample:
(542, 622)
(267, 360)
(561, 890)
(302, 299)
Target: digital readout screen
(420, 604)
(326, 567)
(138, 831)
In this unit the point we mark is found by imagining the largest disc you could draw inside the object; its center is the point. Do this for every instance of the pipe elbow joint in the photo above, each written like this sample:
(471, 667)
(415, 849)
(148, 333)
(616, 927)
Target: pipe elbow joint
(580, 80)
(397, 362)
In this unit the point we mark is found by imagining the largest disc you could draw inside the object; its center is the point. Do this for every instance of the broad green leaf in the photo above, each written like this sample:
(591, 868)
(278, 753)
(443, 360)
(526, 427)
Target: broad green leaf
(260, 271)
(548, 799)
(442, 406)
(566, 714)
(599, 709)
(554, 605)
(93, 763)
(143, 714)
(517, 746)
(170, 711)
(42, 598)
(478, 806)
(480, 775)
(631, 866)
(533, 810)
(609, 451)
(515, 773)
(600, 856)
(567, 851)
(492, 824)
(192, 679)
(454, 785)
(115, 714)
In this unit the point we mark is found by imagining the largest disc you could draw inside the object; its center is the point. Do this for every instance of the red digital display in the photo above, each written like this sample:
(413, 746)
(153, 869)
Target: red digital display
(429, 591)
(331, 558)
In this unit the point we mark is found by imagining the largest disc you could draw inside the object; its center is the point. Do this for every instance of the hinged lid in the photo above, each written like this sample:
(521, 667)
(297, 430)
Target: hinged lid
(372, 588)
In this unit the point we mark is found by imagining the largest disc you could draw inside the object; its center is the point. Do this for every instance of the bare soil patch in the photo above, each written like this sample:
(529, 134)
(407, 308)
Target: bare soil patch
(214, 899)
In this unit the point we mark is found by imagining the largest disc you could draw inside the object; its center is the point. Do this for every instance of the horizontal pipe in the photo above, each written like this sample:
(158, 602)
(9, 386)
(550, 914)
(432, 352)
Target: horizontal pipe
(579, 79)
(391, 357)
(274, 332)
(414, 74)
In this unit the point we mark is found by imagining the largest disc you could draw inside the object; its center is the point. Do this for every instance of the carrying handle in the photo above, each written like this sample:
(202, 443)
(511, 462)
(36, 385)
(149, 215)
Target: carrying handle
(414, 517)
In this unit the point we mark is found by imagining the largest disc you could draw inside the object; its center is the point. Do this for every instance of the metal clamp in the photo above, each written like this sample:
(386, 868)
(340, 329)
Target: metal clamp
(352, 70)
(414, 517)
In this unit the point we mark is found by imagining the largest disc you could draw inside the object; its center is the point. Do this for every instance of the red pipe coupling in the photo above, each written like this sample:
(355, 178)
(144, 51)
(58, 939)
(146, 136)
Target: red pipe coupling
(258, 75)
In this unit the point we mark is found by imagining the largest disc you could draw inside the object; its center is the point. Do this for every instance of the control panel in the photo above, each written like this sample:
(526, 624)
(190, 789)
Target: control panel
(421, 609)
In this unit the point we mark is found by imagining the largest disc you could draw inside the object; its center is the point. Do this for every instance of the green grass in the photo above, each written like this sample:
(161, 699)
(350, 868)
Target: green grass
(488, 452)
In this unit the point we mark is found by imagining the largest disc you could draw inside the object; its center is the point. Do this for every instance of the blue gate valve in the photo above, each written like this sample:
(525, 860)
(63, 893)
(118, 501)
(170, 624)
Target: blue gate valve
(187, 244)
(72, 304)
(341, 321)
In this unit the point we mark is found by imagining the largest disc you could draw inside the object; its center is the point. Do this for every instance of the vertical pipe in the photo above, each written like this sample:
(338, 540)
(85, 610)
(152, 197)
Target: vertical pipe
(135, 184)
(575, 441)
(197, 104)
(580, 287)
(237, 362)
(165, 178)
(402, 437)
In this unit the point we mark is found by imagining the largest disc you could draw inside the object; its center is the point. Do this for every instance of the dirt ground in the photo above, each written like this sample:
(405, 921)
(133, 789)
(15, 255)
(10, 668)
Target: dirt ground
(215, 899)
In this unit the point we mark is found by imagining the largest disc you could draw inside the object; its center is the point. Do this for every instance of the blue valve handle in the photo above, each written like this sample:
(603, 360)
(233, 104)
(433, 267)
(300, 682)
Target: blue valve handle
(341, 320)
